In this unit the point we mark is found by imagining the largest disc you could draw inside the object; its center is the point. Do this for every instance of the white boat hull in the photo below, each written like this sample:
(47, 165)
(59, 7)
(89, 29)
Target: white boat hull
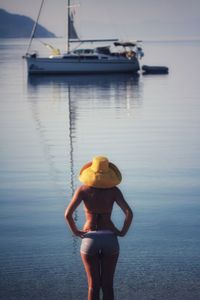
(60, 65)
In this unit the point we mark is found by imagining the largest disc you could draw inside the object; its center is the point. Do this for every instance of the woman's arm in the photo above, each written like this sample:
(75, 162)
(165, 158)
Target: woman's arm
(127, 211)
(76, 200)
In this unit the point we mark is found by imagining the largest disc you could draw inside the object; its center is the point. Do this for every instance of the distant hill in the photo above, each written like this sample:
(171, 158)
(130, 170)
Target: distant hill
(17, 26)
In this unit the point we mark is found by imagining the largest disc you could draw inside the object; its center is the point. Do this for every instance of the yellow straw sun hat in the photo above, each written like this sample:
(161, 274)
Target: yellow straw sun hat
(100, 173)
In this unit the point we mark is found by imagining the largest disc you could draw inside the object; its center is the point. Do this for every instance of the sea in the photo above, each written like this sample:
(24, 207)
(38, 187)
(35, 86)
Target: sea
(148, 125)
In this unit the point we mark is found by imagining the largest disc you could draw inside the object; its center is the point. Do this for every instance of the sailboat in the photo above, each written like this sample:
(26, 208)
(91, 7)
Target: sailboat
(123, 59)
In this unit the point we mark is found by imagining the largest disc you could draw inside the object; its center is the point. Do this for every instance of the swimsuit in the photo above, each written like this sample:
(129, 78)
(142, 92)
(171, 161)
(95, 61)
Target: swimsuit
(100, 242)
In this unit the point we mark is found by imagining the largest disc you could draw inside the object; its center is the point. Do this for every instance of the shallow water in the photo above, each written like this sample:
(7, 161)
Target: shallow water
(148, 126)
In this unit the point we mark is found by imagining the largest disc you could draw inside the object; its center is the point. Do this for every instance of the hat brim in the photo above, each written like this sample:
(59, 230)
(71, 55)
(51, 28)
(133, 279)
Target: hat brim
(100, 179)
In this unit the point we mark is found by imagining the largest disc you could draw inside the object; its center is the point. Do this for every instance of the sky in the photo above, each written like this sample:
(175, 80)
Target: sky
(115, 17)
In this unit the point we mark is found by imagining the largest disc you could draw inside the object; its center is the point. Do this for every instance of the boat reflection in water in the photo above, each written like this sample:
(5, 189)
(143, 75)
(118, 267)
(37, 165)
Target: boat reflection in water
(78, 95)
(113, 86)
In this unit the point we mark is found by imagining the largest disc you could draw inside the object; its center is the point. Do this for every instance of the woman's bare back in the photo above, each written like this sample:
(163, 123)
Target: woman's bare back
(98, 205)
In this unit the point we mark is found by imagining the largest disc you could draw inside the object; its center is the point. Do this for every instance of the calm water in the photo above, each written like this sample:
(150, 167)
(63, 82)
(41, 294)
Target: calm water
(147, 125)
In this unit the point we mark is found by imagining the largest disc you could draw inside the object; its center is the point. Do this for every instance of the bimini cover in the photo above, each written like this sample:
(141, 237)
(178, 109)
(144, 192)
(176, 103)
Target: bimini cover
(125, 44)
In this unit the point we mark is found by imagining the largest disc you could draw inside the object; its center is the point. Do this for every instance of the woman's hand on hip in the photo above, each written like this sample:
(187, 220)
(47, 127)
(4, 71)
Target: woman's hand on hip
(80, 233)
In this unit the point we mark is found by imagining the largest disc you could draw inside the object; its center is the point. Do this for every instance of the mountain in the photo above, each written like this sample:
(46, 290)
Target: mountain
(17, 26)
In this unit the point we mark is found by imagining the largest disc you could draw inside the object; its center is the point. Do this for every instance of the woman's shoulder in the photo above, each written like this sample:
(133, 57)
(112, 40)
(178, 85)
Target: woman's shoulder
(83, 188)
(117, 193)
(116, 190)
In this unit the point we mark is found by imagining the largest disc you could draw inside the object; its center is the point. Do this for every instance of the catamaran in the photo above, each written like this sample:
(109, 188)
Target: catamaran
(123, 59)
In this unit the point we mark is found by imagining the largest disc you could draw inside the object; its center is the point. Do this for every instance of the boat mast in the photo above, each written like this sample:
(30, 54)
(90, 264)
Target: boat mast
(34, 27)
(68, 26)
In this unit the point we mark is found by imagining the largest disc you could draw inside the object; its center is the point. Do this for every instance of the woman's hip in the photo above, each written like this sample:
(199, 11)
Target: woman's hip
(101, 241)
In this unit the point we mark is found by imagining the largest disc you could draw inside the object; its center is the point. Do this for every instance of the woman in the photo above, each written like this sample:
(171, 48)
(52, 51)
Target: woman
(99, 247)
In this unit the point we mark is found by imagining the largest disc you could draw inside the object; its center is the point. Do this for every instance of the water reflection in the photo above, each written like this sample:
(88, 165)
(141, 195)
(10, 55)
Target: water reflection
(103, 80)
(119, 91)
(84, 94)
(81, 94)
(72, 128)
(118, 87)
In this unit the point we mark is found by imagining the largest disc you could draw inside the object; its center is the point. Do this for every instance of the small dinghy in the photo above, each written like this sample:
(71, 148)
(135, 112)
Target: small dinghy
(154, 69)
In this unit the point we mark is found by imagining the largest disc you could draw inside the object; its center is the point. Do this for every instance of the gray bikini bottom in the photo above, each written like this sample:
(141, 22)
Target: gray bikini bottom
(100, 242)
